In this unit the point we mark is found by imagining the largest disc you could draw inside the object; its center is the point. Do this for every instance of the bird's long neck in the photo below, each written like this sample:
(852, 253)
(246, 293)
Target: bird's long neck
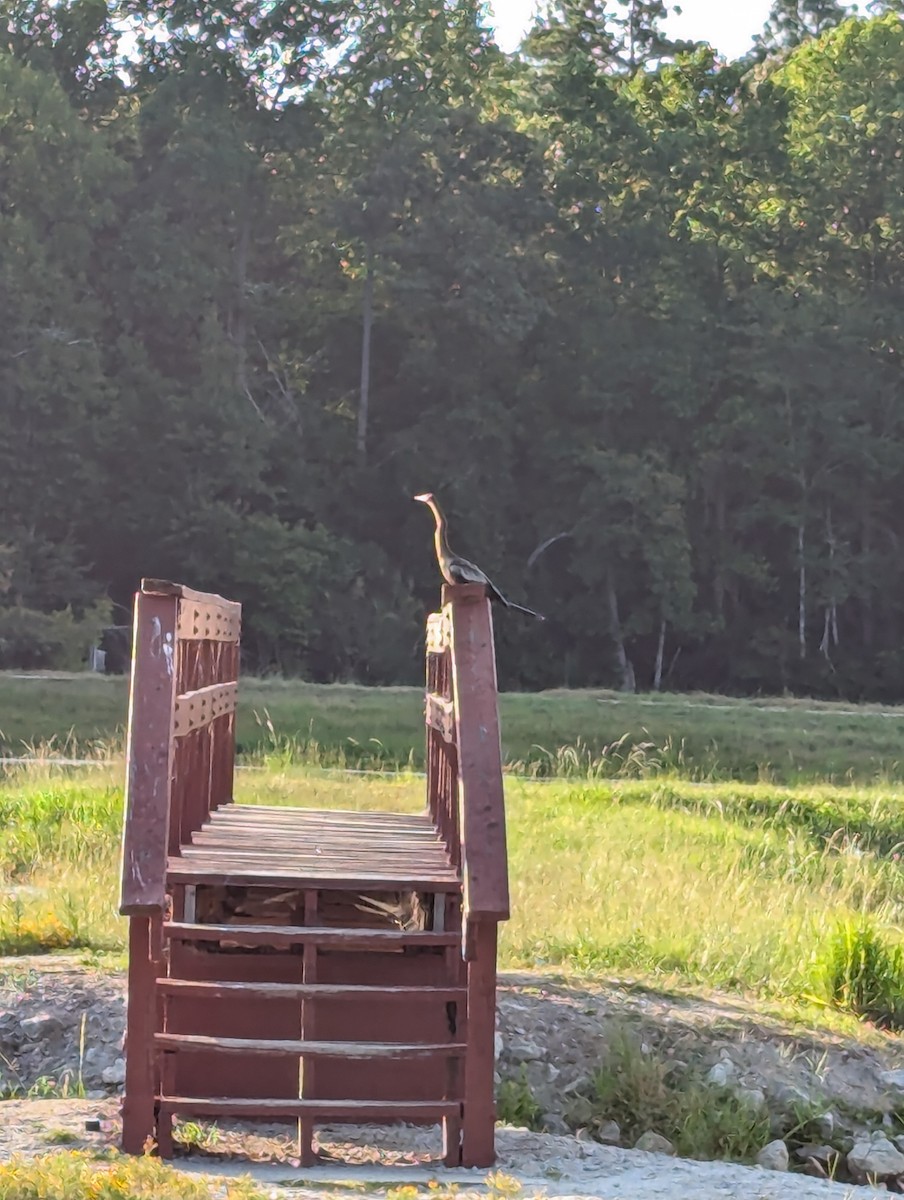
(443, 552)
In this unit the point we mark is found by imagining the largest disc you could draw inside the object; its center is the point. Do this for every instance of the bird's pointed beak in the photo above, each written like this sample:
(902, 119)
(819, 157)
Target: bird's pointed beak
(424, 497)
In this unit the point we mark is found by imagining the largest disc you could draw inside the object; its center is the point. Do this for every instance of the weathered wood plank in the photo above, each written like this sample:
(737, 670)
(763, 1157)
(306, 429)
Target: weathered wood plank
(149, 755)
(201, 621)
(349, 816)
(335, 1110)
(288, 876)
(165, 587)
(298, 1048)
(218, 989)
(314, 854)
(295, 935)
(194, 710)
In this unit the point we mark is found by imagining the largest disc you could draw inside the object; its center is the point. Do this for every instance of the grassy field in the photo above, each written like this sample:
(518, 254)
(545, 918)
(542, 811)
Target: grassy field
(740, 886)
(575, 733)
(715, 842)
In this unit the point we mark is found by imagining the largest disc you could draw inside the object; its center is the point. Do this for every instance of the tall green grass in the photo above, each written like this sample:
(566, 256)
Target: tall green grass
(722, 885)
(604, 733)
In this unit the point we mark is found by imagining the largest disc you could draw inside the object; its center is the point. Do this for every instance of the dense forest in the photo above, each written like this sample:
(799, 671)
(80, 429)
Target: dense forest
(632, 311)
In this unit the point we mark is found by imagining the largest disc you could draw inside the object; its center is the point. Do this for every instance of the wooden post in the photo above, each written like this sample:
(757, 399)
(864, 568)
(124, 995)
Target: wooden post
(149, 756)
(308, 1088)
(481, 799)
(481, 805)
(138, 1123)
(145, 843)
(478, 1144)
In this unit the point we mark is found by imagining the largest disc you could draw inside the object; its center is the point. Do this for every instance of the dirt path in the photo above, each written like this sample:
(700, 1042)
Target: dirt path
(372, 1161)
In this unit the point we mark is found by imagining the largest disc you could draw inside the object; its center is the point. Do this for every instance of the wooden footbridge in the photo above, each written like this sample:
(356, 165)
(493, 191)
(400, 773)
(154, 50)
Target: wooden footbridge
(297, 964)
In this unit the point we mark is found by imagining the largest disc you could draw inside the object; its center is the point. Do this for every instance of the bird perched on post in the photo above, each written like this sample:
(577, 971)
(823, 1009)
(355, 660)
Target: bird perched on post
(456, 569)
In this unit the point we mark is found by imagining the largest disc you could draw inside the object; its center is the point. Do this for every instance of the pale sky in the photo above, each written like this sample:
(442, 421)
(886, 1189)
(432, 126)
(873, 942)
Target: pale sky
(728, 25)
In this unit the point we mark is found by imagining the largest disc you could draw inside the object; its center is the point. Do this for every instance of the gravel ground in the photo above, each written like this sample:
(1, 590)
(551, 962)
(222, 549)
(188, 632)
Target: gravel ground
(378, 1159)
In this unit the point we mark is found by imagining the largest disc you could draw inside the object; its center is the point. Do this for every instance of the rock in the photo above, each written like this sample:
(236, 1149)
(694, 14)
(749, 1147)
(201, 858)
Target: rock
(721, 1073)
(11, 1034)
(654, 1143)
(878, 1157)
(815, 1168)
(97, 1057)
(581, 1083)
(42, 1025)
(609, 1133)
(826, 1124)
(526, 1051)
(497, 1043)
(116, 1072)
(821, 1154)
(774, 1156)
(553, 1123)
(893, 1081)
(579, 1111)
(752, 1097)
(788, 1096)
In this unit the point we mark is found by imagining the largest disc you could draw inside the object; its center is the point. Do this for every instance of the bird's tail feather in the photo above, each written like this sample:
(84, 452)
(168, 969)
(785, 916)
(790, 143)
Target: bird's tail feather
(520, 607)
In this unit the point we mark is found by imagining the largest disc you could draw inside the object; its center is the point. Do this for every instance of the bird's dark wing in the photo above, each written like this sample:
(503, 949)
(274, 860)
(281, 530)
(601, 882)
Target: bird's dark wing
(464, 571)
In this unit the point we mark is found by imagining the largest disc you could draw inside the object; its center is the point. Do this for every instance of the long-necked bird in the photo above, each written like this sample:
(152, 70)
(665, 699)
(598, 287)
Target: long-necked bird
(456, 569)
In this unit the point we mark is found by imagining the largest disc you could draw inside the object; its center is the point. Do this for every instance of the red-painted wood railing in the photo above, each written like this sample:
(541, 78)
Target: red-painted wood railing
(181, 740)
(464, 758)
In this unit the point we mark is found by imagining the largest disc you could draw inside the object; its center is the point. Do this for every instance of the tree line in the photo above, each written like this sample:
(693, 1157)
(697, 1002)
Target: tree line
(631, 310)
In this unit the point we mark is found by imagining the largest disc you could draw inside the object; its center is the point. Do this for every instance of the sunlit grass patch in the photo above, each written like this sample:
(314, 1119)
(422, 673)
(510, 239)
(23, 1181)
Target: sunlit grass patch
(78, 1175)
(606, 880)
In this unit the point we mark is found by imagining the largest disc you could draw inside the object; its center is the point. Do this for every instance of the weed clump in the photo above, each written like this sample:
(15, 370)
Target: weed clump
(863, 972)
(517, 1105)
(644, 1091)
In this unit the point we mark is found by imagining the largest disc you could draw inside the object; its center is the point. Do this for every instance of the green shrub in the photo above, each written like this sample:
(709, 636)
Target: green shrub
(863, 972)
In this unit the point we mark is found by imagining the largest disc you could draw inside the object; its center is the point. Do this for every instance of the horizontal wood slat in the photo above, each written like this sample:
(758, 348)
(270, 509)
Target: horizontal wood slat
(326, 848)
(199, 621)
(220, 989)
(289, 875)
(308, 1049)
(440, 715)
(295, 935)
(194, 710)
(336, 1110)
